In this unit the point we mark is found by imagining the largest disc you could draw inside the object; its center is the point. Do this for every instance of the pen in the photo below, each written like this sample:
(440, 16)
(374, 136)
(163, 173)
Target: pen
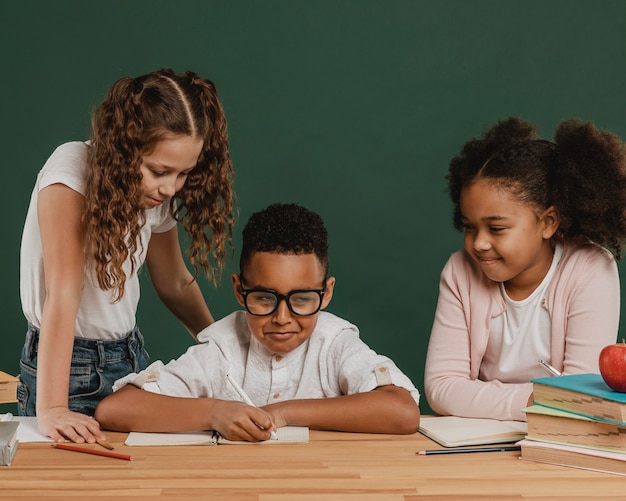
(245, 398)
(471, 449)
(97, 452)
(551, 369)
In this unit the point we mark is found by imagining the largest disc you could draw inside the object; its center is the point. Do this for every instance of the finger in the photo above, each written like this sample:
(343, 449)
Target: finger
(75, 427)
(246, 430)
(89, 430)
(264, 420)
(260, 432)
(70, 433)
(267, 429)
(54, 435)
(254, 434)
(94, 428)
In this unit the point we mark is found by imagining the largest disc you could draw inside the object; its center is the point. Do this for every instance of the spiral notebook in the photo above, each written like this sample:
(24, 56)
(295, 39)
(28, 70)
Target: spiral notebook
(286, 435)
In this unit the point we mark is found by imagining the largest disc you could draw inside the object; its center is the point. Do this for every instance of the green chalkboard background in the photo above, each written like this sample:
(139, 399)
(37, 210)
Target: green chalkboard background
(350, 107)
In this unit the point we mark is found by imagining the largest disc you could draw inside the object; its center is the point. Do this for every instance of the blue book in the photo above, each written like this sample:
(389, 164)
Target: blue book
(584, 394)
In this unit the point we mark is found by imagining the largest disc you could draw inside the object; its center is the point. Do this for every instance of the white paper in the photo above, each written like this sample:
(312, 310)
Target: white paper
(28, 430)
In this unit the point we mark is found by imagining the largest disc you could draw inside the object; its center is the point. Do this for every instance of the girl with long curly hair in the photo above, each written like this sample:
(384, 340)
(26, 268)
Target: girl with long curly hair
(158, 156)
(544, 223)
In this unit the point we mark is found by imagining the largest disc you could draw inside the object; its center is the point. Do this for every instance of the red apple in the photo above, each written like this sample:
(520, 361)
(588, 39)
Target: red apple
(613, 366)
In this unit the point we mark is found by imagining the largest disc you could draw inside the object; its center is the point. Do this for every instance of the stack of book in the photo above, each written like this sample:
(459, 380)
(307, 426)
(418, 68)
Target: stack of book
(8, 388)
(8, 441)
(577, 421)
(8, 428)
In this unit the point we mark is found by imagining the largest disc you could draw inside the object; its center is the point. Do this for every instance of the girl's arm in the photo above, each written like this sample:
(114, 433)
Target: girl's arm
(59, 210)
(132, 409)
(449, 385)
(386, 409)
(174, 284)
(590, 317)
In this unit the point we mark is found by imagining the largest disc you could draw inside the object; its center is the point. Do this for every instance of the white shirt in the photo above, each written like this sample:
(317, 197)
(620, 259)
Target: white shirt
(521, 336)
(334, 361)
(98, 316)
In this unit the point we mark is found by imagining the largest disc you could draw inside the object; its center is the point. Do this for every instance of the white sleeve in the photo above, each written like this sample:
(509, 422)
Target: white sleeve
(145, 380)
(359, 369)
(192, 375)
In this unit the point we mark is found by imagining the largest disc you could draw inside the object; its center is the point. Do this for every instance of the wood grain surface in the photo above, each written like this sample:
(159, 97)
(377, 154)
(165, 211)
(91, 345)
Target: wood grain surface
(332, 466)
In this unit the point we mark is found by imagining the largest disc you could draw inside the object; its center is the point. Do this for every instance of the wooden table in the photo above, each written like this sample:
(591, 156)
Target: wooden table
(332, 466)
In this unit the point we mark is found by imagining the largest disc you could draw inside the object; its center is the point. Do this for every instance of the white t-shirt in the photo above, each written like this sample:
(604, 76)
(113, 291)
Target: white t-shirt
(521, 336)
(334, 361)
(98, 316)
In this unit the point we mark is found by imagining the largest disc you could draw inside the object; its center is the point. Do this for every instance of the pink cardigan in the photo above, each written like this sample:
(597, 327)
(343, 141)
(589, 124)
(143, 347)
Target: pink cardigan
(583, 300)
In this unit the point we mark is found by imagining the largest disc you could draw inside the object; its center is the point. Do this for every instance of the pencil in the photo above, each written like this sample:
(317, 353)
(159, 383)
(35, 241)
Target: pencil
(549, 368)
(104, 444)
(470, 449)
(97, 452)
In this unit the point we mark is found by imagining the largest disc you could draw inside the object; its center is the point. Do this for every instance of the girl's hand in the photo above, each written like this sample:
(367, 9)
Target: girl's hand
(60, 423)
(239, 421)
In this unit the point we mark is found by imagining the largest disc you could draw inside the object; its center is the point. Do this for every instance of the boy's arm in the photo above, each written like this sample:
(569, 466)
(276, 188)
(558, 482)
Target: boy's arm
(386, 409)
(133, 409)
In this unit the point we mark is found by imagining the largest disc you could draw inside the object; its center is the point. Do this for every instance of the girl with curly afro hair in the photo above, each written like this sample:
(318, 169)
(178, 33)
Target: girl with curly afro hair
(544, 224)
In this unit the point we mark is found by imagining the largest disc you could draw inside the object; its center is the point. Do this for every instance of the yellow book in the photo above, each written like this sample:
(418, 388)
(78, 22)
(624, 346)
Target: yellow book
(554, 425)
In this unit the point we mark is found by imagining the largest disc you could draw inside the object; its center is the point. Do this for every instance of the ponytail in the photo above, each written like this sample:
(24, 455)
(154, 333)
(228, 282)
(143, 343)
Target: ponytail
(590, 192)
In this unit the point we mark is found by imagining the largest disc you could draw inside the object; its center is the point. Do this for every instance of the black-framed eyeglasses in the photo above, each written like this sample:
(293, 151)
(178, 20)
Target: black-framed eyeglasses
(301, 302)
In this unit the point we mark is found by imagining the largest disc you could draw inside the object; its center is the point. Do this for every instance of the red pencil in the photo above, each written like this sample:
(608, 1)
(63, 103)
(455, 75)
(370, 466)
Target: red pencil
(97, 452)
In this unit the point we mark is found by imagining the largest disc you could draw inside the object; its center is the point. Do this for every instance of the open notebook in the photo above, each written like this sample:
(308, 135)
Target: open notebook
(453, 431)
(28, 430)
(286, 435)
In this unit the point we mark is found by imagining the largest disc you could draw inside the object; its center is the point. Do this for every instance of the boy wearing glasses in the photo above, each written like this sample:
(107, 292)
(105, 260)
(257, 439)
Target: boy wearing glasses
(298, 365)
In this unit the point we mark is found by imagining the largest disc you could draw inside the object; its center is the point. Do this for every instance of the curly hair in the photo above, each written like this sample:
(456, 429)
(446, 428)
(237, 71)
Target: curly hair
(135, 115)
(582, 174)
(285, 229)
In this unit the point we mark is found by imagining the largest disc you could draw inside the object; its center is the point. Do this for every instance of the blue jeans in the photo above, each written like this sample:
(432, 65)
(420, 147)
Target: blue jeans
(96, 365)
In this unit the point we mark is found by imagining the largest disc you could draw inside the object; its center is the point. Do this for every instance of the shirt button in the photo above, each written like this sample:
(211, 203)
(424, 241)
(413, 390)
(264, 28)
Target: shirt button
(276, 395)
(278, 358)
(382, 369)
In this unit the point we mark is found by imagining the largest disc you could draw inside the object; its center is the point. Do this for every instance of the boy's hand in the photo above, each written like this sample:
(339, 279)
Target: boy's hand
(275, 410)
(239, 421)
(60, 423)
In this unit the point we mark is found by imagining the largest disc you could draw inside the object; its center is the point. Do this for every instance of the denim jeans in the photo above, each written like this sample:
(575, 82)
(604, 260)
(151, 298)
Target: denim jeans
(96, 365)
